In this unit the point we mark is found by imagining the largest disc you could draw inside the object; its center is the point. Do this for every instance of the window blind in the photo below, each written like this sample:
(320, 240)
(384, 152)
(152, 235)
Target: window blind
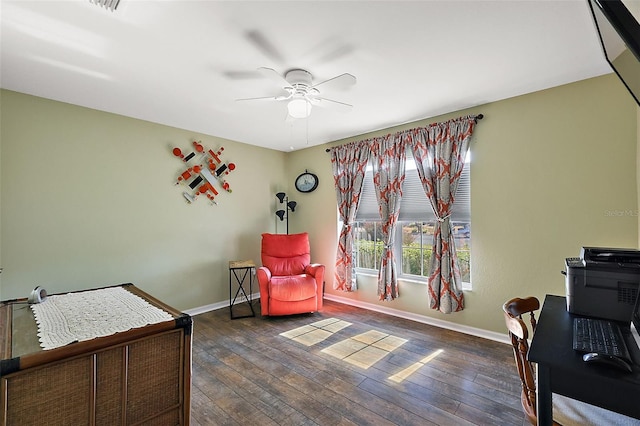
(414, 205)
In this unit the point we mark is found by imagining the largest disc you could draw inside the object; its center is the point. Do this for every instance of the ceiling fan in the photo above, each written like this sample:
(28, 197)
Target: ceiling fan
(298, 89)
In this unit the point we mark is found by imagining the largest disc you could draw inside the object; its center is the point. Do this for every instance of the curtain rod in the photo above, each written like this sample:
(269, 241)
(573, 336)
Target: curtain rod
(478, 117)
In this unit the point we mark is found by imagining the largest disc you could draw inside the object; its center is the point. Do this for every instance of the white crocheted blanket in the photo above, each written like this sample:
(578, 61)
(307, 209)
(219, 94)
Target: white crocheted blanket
(76, 317)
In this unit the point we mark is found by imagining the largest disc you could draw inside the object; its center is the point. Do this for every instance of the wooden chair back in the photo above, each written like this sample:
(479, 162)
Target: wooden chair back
(514, 310)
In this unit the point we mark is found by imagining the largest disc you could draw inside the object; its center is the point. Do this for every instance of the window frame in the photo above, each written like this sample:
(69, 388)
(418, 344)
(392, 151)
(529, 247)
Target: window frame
(397, 248)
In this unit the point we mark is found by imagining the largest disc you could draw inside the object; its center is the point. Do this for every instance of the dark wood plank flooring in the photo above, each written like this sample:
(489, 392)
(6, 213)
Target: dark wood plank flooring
(246, 373)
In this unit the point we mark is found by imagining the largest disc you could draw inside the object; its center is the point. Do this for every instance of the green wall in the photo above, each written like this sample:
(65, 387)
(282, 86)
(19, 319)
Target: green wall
(551, 171)
(88, 199)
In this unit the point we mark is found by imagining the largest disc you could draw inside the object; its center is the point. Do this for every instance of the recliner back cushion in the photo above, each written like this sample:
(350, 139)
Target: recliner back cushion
(286, 254)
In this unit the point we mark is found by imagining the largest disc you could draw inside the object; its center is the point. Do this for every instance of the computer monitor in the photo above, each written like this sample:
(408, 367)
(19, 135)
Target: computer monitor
(618, 26)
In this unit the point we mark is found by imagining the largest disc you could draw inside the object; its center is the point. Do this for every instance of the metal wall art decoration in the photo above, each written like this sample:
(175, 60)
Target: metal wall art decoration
(205, 170)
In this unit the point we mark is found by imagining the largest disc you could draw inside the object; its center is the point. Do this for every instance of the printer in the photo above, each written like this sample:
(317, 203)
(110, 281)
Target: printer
(603, 282)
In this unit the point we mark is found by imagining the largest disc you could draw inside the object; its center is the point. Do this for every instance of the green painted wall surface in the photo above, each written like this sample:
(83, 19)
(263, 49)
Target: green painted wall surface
(88, 199)
(551, 171)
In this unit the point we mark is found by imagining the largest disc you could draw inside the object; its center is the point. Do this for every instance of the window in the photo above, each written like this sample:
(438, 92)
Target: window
(367, 244)
(414, 233)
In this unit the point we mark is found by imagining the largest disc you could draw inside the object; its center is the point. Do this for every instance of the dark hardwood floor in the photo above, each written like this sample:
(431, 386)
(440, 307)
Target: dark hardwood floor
(347, 366)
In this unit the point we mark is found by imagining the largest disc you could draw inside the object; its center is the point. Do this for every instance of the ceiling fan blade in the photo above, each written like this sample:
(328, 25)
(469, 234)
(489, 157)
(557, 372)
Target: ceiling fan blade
(336, 53)
(267, 98)
(264, 45)
(242, 75)
(341, 81)
(330, 49)
(274, 75)
(330, 103)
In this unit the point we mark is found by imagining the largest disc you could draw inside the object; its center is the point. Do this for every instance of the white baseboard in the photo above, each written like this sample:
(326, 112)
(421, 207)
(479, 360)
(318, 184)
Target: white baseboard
(220, 305)
(485, 334)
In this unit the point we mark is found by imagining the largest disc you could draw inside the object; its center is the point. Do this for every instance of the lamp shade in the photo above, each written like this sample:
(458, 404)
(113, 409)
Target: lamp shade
(281, 196)
(299, 108)
(292, 205)
(280, 214)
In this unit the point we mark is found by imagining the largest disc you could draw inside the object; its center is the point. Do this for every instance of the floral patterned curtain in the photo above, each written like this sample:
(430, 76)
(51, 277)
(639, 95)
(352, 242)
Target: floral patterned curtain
(439, 152)
(388, 175)
(349, 163)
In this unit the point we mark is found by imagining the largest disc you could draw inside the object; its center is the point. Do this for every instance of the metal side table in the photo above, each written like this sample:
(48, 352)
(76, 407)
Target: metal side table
(240, 269)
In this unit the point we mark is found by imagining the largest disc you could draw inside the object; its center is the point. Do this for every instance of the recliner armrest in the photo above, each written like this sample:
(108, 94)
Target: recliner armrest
(316, 270)
(264, 274)
(313, 269)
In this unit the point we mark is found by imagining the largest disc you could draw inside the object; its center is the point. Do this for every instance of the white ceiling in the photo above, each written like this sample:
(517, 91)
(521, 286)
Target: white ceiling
(184, 63)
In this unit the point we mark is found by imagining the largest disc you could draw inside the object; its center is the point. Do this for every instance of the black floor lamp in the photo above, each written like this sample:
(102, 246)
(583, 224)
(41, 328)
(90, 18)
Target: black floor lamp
(289, 205)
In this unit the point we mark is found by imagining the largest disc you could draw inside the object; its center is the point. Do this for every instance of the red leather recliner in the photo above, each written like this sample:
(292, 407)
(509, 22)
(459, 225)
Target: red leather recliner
(289, 283)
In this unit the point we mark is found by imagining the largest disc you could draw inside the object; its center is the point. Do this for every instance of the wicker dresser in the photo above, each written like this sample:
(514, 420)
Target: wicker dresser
(140, 376)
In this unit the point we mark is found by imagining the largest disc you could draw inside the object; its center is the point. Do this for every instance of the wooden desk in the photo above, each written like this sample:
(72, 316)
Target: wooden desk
(561, 370)
(138, 376)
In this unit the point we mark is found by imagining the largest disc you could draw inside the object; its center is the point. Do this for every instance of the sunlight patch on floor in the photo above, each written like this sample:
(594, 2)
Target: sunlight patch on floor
(316, 332)
(398, 377)
(365, 349)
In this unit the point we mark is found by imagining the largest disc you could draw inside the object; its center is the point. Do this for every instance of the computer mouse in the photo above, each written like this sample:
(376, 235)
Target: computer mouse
(596, 358)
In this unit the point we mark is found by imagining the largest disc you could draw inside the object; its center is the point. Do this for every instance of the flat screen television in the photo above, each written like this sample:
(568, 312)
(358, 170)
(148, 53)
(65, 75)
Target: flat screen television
(618, 27)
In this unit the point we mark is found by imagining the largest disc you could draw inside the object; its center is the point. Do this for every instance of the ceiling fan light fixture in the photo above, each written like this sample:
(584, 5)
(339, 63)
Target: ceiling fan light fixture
(299, 108)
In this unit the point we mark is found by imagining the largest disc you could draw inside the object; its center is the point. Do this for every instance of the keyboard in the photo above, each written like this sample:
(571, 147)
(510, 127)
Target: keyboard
(601, 336)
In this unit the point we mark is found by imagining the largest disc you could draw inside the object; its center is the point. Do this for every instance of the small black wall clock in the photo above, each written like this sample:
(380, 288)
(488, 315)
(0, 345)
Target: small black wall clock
(306, 182)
